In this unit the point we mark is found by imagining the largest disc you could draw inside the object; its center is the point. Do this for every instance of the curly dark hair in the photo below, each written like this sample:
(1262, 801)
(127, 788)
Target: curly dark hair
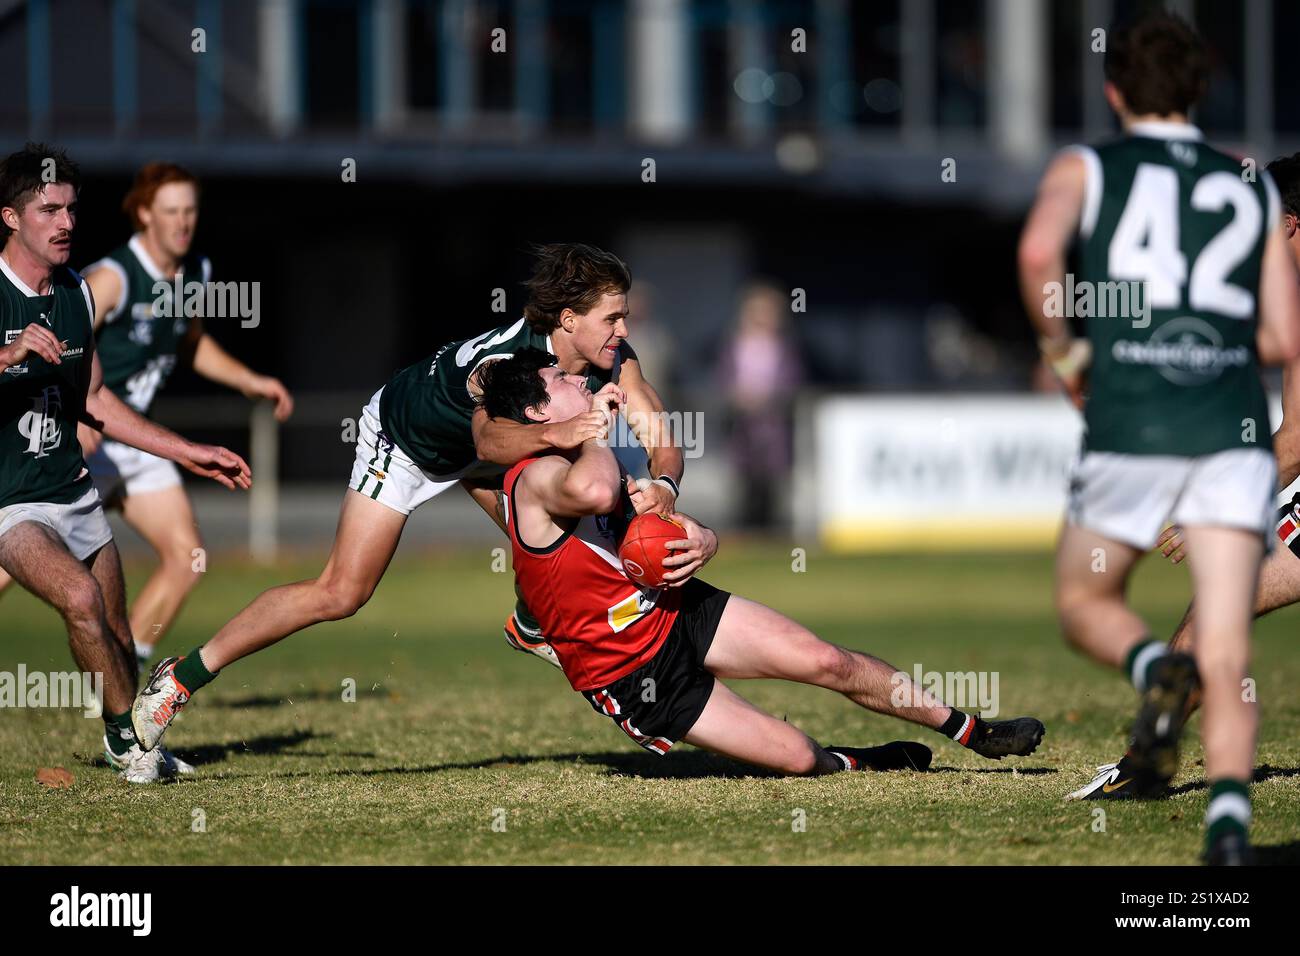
(513, 385)
(1158, 62)
(1285, 171)
(24, 174)
(571, 275)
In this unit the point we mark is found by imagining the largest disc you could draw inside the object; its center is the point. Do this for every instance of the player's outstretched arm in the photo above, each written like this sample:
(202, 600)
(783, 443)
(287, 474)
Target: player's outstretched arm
(217, 365)
(117, 420)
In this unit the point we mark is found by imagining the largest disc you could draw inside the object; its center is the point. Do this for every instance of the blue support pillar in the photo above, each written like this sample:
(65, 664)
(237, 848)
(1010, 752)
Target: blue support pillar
(208, 93)
(40, 97)
(125, 97)
(609, 57)
(532, 84)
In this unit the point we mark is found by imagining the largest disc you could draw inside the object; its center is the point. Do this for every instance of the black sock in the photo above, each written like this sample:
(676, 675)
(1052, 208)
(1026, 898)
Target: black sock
(959, 727)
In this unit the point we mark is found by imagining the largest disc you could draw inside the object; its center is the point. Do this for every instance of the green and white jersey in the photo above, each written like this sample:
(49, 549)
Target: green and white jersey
(1177, 230)
(142, 333)
(40, 403)
(426, 407)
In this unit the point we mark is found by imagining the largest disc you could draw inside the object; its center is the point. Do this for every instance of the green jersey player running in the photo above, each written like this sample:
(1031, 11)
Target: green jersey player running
(140, 337)
(1177, 419)
(54, 539)
(424, 432)
(1279, 576)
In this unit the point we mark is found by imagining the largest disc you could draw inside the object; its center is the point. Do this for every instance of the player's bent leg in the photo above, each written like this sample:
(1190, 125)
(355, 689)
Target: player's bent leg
(165, 519)
(754, 641)
(38, 560)
(1091, 576)
(367, 536)
(733, 727)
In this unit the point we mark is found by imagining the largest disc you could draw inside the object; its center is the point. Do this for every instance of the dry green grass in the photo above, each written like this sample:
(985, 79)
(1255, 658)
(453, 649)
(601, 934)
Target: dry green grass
(450, 727)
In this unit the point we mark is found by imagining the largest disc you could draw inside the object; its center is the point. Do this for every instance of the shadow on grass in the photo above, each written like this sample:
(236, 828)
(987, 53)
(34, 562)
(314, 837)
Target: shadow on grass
(1279, 854)
(269, 746)
(688, 765)
(302, 696)
(1265, 772)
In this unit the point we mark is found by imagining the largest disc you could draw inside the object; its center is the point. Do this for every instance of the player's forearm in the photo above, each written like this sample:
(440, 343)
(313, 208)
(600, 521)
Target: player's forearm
(503, 442)
(1039, 269)
(1286, 446)
(217, 365)
(118, 421)
(594, 477)
(667, 460)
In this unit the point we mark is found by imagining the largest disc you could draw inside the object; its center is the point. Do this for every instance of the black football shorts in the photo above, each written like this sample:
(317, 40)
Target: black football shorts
(659, 702)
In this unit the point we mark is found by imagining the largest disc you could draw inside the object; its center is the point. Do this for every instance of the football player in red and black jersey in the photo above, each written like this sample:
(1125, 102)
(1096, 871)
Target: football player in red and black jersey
(651, 659)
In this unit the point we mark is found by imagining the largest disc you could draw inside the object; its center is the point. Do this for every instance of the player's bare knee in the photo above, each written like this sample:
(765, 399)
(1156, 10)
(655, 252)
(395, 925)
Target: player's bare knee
(831, 665)
(83, 607)
(802, 760)
(337, 600)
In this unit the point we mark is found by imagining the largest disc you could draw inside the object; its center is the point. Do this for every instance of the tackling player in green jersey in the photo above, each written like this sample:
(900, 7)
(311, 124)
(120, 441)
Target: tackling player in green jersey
(140, 340)
(424, 432)
(1177, 422)
(54, 539)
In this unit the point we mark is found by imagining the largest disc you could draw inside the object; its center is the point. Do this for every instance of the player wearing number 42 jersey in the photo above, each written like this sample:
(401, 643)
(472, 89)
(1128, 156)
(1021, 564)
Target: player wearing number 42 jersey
(651, 659)
(1175, 412)
(141, 336)
(1279, 577)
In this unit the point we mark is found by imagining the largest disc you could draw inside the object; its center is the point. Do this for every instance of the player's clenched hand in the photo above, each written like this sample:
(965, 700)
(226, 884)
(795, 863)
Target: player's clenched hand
(695, 550)
(580, 428)
(1171, 544)
(219, 464)
(36, 339)
(648, 496)
(610, 397)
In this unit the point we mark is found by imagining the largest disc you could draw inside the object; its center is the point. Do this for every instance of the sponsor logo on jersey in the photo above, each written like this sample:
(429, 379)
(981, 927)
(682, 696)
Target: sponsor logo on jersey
(1185, 351)
(142, 316)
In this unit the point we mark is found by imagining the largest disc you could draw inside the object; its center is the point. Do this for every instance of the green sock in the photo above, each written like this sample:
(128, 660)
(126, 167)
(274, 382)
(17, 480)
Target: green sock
(1138, 662)
(1229, 808)
(191, 673)
(117, 729)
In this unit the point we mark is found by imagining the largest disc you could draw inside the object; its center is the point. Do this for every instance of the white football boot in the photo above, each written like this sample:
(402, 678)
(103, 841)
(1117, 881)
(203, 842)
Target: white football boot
(529, 641)
(157, 705)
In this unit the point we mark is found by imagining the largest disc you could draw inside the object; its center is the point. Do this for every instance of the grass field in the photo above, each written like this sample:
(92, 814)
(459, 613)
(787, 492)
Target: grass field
(452, 731)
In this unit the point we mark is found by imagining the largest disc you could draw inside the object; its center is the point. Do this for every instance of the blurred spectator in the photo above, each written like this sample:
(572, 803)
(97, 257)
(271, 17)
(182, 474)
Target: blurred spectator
(760, 371)
(650, 340)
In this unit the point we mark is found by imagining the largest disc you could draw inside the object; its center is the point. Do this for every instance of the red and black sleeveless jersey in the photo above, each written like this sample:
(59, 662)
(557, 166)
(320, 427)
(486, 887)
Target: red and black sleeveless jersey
(602, 624)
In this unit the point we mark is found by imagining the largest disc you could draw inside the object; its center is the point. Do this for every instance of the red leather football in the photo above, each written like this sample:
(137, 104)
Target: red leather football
(642, 551)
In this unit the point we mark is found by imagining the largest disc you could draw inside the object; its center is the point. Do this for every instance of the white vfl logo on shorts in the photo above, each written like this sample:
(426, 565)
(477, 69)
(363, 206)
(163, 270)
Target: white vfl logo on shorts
(103, 909)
